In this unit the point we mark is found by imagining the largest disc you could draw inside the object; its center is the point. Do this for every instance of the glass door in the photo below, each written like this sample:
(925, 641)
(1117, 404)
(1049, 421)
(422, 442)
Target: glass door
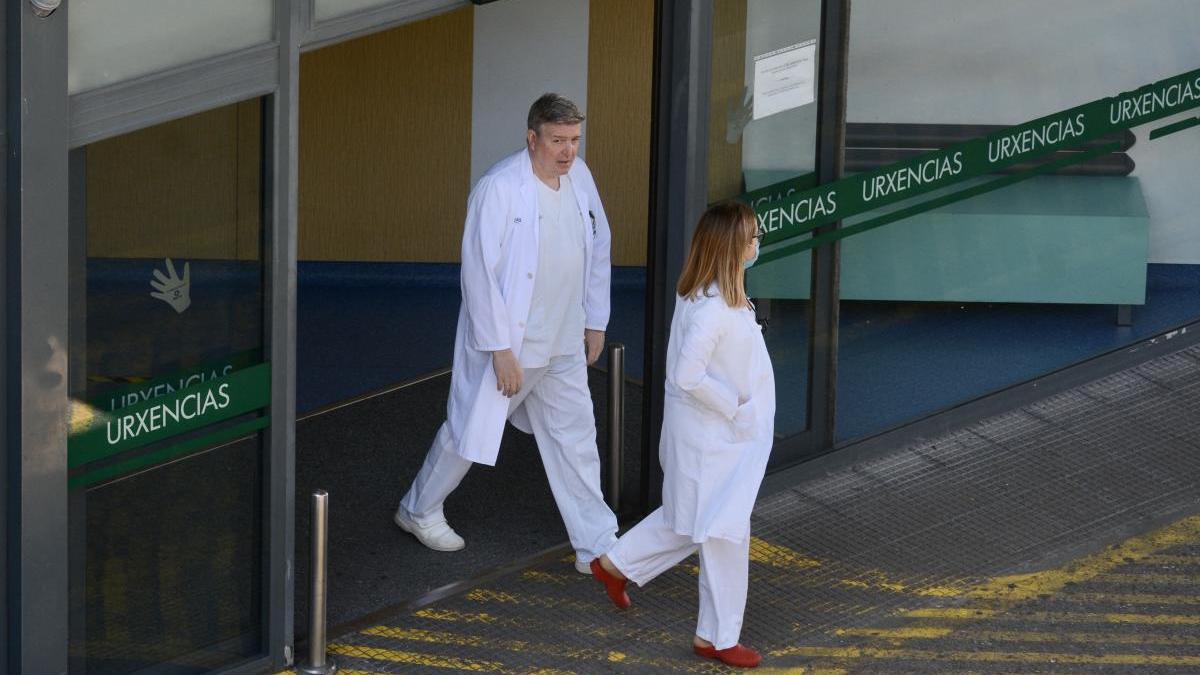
(169, 396)
(763, 148)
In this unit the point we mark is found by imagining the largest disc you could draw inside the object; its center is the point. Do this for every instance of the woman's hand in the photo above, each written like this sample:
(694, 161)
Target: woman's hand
(745, 420)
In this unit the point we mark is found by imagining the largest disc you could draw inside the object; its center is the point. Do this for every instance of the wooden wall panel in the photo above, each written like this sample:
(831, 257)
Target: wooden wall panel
(185, 189)
(385, 144)
(728, 87)
(249, 180)
(620, 74)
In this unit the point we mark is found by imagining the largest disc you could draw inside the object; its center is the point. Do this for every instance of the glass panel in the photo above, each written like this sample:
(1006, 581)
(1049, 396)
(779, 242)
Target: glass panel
(166, 456)
(762, 145)
(965, 297)
(116, 41)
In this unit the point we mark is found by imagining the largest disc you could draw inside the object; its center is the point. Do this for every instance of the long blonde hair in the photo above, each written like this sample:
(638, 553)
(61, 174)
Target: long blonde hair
(718, 244)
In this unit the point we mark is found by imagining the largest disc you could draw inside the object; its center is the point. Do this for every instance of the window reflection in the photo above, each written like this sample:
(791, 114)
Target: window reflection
(166, 469)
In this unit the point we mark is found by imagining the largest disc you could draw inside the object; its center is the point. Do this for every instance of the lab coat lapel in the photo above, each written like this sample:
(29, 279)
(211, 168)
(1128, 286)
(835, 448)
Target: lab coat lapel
(529, 202)
(585, 210)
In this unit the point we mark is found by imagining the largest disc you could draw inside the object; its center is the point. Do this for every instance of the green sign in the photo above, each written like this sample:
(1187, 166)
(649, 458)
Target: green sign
(802, 211)
(196, 406)
(142, 391)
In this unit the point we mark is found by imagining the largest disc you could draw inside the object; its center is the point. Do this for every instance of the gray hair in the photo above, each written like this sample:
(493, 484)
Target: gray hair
(553, 109)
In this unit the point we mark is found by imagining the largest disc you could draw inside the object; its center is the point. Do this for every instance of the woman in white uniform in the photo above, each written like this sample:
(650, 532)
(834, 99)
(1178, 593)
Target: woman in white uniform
(718, 426)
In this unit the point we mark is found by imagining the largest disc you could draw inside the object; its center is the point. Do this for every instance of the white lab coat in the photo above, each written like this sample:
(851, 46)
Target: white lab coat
(499, 263)
(718, 418)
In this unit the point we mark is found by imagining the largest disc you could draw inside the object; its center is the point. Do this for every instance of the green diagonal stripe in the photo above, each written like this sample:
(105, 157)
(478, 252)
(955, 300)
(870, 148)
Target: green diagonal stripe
(858, 228)
(1172, 128)
(801, 212)
(111, 433)
(159, 456)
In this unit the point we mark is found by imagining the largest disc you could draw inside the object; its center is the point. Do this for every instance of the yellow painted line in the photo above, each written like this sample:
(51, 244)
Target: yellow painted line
(549, 577)
(956, 613)
(1083, 638)
(856, 653)
(442, 637)
(340, 671)
(547, 599)
(966, 614)
(919, 633)
(878, 580)
(1172, 560)
(1150, 578)
(1132, 598)
(801, 670)
(935, 632)
(1021, 587)
(782, 557)
(417, 658)
(548, 602)
(1002, 593)
(621, 631)
(523, 647)
(454, 615)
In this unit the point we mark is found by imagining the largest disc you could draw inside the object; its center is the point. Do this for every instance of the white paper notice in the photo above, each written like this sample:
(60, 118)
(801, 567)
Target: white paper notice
(784, 78)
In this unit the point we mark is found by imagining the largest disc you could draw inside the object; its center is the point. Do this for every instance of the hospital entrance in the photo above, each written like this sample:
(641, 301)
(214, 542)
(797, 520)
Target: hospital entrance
(395, 127)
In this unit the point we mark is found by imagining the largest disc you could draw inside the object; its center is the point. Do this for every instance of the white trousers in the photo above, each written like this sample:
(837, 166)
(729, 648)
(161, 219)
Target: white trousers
(651, 548)
(559, 405)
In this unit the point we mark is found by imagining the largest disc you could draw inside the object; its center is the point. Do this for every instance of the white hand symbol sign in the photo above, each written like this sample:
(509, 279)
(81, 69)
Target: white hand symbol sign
(171, 289)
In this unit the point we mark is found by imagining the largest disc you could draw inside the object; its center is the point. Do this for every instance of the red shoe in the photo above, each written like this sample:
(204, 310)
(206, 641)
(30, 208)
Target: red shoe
(614, 586)
(736, 656)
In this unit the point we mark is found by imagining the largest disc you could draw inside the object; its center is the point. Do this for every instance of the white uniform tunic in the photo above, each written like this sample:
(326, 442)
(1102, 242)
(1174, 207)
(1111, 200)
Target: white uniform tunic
(718, 418)
(555, 325)
(718, 426)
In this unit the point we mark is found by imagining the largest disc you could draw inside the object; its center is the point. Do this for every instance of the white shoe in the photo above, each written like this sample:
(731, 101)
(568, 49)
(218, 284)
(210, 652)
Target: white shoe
(439, 536)
(583, 567)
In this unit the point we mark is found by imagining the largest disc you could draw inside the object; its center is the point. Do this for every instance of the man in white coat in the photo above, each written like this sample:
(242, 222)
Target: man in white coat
(535, 286)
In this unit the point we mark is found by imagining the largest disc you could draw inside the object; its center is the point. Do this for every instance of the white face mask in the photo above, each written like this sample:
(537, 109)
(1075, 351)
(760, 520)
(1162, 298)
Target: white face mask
(750, 263)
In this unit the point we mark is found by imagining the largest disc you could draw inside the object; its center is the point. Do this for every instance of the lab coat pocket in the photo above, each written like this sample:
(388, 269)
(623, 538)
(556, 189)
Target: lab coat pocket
(745, 421)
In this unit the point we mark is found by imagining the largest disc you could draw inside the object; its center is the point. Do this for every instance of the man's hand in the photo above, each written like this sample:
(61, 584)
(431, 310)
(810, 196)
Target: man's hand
(508, 372)
(593, 340)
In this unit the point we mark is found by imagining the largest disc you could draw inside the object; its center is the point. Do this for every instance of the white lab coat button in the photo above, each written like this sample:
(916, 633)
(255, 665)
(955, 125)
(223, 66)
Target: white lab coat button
(521, 324)
(529, 275)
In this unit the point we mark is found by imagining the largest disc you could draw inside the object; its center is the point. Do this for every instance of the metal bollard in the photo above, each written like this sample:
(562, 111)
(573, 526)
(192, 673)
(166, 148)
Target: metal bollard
(616, 422)
(318, 664)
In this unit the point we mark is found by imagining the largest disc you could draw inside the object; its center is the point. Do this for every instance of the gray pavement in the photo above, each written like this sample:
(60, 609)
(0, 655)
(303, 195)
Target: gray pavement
(366, 454)
(1060, 537)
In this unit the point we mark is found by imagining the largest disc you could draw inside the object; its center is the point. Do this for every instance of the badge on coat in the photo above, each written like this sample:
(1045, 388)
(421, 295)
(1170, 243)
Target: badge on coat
(593, 217)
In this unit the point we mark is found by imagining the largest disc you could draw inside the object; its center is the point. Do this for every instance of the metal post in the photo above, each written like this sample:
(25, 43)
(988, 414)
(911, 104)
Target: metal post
(317, 662)
(616, 422)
